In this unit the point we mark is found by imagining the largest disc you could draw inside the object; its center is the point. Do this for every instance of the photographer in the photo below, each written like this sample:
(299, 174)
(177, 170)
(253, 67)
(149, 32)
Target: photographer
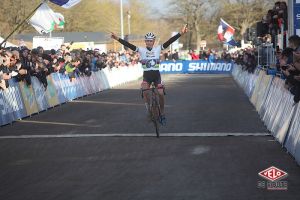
(26, 66)
(291, 71)
(47, 59)
(59, 66)
(101, 61)
(40, 50)
(41, 71)
(286, 62)
(294, 43)
(4, 76)
(85, 66)
(8, 67)
(64, 49)
(17, 66)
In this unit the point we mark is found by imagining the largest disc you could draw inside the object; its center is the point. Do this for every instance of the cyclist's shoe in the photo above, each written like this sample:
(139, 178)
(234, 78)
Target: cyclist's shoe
(163, 120)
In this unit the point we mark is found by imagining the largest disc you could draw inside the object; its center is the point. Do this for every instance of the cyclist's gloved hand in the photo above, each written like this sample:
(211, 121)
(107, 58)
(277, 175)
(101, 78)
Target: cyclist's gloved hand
(114, 36)
(184, 29)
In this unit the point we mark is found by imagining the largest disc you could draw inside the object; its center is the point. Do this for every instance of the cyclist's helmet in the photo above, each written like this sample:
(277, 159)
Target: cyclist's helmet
(150, 36)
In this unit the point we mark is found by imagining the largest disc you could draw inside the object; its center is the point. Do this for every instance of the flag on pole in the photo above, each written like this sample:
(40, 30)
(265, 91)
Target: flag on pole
(45, 20)
(225, 33)
(61, 19)
(65, 3)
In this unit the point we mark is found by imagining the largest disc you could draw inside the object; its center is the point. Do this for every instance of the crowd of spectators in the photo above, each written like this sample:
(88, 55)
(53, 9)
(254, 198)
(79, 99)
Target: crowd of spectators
(275, 21)
(287, 64)
(22, 63)
(247, 58)
(209, 55)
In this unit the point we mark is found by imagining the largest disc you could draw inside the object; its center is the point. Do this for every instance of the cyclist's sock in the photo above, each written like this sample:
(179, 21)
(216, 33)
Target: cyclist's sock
(147, 107)
(148, 114)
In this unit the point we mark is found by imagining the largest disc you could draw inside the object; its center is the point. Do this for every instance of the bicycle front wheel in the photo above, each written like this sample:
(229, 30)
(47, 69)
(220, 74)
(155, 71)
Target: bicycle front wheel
(155, 113)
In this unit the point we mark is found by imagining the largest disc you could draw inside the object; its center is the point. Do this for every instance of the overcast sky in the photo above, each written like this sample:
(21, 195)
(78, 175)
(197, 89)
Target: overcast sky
(160, 5)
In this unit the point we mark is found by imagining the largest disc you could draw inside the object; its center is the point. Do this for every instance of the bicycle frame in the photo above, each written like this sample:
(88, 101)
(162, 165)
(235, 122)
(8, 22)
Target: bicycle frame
(154, 107)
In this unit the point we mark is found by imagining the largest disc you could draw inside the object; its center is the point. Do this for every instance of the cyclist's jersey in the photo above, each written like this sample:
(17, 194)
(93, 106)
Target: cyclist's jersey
(150, 59)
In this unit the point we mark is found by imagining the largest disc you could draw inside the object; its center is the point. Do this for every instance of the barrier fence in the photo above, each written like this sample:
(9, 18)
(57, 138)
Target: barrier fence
(20, 100)
(196, 66)
(275, 105)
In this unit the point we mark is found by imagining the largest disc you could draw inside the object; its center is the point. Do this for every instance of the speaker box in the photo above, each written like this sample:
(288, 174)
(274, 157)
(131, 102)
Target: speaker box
(261, 29)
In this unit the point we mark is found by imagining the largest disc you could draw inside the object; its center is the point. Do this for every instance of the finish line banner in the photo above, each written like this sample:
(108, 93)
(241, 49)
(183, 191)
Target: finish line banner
(195, 67)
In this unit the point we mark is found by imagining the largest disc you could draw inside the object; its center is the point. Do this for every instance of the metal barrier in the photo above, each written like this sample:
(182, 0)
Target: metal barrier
(275, 106)
(266, 55)
(292, 142)
(261, 89)
(19, 100)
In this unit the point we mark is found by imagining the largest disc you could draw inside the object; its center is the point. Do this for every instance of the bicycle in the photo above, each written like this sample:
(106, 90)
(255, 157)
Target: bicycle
(154, 107)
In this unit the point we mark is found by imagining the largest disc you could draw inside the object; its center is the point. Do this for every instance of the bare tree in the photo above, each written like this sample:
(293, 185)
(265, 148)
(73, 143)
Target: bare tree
(243, 14)
(199, 15)
(204, 15)
(14, 12)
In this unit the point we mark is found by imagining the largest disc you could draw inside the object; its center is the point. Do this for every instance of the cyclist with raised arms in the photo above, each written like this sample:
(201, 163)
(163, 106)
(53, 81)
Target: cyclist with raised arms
(149, 57)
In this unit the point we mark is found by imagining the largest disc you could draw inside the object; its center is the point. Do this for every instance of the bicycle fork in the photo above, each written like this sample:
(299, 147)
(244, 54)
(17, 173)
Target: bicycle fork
(154, 106)
(152, 103)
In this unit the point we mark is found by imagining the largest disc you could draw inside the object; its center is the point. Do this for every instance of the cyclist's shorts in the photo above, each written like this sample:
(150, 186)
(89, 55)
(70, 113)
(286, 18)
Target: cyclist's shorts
(152, 76)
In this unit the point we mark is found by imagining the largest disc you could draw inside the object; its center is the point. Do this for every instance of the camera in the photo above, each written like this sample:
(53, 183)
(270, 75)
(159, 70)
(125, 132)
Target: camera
(284, 67)
(69, 46)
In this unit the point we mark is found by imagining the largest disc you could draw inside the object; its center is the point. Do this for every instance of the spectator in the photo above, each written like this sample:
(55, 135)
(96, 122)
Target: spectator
(63, 49)
(85, 65)
(8, 67)
(4, 73)
(71, 68)
(225, 56)
(294, 42)
(165, 56)
(47, 60)
(175, 55)
(247, 58)
(162, 56)
(169, 55)
(26, 65)
(211, 57)
(291, 71)
(204, 55)
(40, 50)
(194, 55)
(41, 71)
(59, 66)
